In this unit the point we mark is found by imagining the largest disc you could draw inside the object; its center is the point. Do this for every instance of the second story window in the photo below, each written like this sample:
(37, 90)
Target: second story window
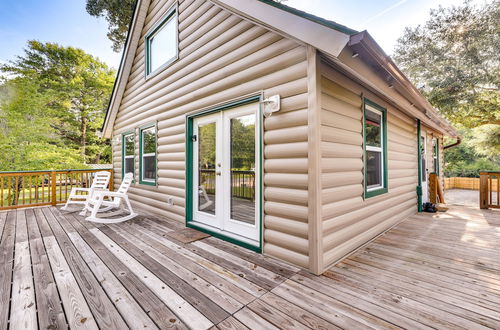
(161, 43)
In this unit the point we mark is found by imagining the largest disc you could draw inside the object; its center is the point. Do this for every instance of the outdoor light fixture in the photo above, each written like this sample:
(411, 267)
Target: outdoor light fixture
(271, 104)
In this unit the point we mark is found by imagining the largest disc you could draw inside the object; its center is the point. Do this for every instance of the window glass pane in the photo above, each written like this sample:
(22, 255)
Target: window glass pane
(163, 44)
(149, 167)
(373, 168)
(423, 158)
(206, 168)
(434, 155)
(373, 129)
(129, 165)
(129, 145)
(243, 168)
(149, 140)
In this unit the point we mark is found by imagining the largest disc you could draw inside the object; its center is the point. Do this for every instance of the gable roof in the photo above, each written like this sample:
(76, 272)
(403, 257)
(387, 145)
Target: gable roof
(327, 36)
(131, 43)
(314, 18)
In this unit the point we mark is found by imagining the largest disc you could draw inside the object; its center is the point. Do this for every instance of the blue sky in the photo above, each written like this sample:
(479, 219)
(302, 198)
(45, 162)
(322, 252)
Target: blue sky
(66, 22)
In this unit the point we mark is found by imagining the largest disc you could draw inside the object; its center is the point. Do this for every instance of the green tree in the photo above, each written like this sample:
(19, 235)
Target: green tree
(118, 13)
(454, 58)
(27, 141)
(60, 94)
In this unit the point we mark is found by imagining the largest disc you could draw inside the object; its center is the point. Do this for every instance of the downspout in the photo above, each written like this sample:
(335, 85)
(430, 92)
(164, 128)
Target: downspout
(459, 140)
(419, 155)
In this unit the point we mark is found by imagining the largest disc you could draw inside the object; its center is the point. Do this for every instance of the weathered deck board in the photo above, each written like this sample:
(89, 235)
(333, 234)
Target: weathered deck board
(52, 315)
(104, 311)
(161, 315)
(222, 299)
(428, 272)
(6, 264)
(206, 306)
(23, 307)
(130, 310)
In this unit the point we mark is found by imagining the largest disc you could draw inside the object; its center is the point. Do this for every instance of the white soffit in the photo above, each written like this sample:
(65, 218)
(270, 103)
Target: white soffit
(317, 35)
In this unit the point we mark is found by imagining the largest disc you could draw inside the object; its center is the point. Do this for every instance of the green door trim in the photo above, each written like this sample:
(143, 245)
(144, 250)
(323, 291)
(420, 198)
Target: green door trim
(189, 170)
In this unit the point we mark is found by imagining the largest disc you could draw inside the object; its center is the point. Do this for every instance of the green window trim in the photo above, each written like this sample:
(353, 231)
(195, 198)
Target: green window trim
(384, 188)
(141, 147)
(189, 171)
(172, 13)
(124, 135)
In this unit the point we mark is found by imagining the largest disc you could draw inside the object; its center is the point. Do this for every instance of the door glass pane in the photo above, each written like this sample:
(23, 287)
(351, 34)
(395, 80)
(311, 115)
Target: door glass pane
(373, 169)
(243, 168)
(206, 168)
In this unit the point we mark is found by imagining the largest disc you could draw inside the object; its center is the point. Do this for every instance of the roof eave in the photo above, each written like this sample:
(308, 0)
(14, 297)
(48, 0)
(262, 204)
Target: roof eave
(127, 56)
(370, 52)
(289, 23)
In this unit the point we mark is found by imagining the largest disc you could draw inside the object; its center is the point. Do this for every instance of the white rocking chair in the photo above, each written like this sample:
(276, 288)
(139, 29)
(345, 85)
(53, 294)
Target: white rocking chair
(77, 196)
(104, 201)
(202, 193)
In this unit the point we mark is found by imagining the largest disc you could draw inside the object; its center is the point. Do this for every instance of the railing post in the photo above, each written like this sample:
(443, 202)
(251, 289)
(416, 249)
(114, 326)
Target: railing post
(483, 190)
(54, 187)
(111, 183)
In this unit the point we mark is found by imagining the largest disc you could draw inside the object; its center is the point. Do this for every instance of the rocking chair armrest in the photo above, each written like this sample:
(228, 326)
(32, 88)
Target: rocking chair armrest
(108, 194)
(81, 189)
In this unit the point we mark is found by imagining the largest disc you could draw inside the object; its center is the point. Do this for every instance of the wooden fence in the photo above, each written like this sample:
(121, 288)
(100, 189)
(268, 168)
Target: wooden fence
(38, 188)
(465, 183)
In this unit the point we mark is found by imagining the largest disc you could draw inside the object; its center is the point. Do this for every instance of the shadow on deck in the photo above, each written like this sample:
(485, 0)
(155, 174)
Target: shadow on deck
(57, 270)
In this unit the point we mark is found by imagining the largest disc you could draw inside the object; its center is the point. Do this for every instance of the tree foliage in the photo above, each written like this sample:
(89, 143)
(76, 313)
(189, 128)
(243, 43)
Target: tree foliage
(454, 58)
(467, 159)
(118, 14)
(52, 102)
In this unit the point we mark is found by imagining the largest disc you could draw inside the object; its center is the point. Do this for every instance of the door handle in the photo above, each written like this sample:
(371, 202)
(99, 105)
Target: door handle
(218, 173)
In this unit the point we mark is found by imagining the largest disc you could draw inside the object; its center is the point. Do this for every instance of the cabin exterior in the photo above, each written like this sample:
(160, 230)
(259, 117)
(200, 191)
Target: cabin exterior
(345, 158)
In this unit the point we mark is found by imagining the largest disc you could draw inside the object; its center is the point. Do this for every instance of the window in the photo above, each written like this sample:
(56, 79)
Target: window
(375, 134)
(423, 158)
(435, 155)
(128, 151)
(147, 145)
(161, 43)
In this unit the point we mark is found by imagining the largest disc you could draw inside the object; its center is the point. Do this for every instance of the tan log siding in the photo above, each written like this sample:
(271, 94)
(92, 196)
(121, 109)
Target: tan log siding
(223, 57)
(349, 220)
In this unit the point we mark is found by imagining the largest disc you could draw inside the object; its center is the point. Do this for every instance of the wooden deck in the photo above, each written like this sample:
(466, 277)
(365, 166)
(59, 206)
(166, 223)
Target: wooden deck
(58, 271)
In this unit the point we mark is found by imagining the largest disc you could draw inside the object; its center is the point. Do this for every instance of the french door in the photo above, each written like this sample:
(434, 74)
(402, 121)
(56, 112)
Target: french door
(225, 173)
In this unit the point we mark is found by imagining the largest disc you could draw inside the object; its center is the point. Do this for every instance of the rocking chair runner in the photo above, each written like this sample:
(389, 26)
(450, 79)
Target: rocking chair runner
(76, 196)
(104, 201)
